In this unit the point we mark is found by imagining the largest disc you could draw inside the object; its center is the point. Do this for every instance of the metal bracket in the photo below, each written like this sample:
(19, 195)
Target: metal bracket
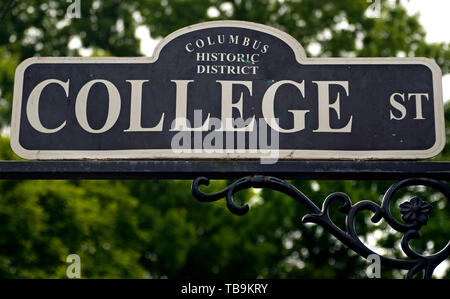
(415, 213)
(253, 174)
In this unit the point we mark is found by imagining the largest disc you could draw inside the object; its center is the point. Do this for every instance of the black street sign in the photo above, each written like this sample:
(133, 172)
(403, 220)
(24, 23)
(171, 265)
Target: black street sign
(228, 90)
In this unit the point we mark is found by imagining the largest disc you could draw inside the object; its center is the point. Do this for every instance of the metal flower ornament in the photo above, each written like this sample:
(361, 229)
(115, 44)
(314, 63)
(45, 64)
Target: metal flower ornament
(415, 214)
(415, 210)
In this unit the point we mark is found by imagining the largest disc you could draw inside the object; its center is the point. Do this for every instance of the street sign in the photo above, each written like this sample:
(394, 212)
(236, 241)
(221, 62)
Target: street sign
(228, 90)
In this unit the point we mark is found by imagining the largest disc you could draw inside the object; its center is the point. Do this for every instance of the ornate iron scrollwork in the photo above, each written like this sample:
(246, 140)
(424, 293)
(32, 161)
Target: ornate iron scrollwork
(415, 214)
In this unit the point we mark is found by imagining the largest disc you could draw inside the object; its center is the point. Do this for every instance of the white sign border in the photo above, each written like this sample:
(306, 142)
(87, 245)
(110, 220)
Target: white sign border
(300, 54)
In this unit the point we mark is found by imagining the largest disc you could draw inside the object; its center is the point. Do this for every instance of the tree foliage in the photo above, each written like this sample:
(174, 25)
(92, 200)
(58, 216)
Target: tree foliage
(155, 228)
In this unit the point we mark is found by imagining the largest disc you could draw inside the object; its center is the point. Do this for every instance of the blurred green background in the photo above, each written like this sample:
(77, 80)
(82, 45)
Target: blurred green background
(154, 229)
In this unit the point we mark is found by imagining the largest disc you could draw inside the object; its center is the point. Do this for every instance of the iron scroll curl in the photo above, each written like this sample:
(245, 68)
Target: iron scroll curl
(415, 213)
